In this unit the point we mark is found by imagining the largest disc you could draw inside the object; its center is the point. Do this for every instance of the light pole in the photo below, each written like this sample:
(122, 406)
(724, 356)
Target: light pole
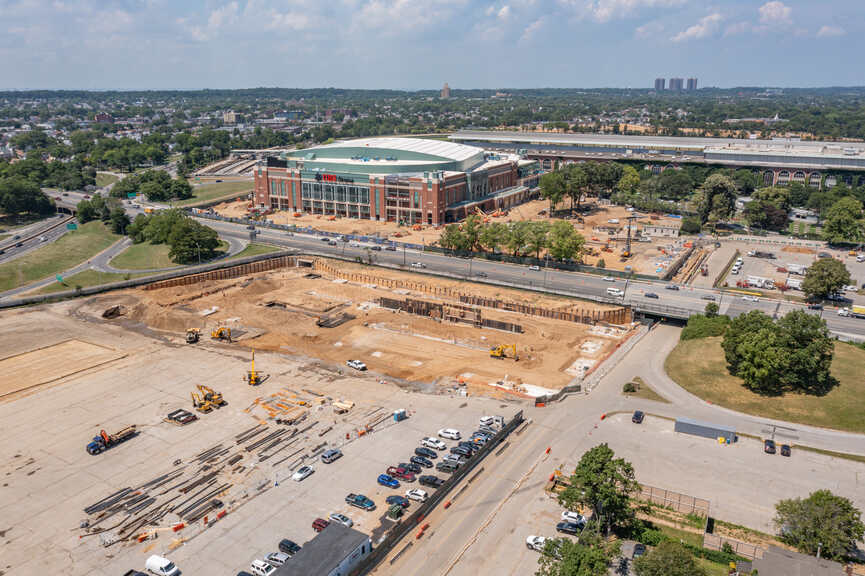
(198, 248)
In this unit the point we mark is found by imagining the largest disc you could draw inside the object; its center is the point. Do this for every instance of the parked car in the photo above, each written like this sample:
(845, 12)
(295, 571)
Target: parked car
(638, 416)
(421, 461)
(329, 456)
(785, 450)
(417, 494)
(418, 265)
(302, 473)
(651, 295)
(472, 447)
(161, 566)
(388, 481)
(289, 547)
(639, 550)
(390, 247)
(375, 247)
(262, 568)
(356, 364)
(769, 446)
(431, 481)
(462, 451)
(815, 306)
(411, 466)
(486, 421)
(401, 474)
(426, 452)
(341, 519)
(430, 442)
(276, 559)
(397, 499)
(576, 518)
(455, 458)
(568, 528)
(320, 524)
(536, 543)
(447, 466)
(449, 433)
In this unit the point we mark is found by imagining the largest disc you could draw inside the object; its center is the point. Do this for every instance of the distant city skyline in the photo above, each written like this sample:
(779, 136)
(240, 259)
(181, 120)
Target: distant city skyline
(401, 44)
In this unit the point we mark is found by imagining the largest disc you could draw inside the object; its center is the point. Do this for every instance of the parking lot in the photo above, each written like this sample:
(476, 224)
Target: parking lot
(49, 478)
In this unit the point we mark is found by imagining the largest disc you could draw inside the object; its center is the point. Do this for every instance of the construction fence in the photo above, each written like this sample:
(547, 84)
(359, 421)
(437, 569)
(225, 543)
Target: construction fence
(227, 273)
(446, 312)
(743, 549)
(674, 500)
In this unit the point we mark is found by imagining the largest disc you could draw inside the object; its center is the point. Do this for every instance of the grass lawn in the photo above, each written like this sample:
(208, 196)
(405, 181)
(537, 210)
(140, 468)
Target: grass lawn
(713, 568)
(699, 367)
(683, 535)
(254, 250)
(217, 191)
(70, 250)
(645, 392)
(86, 279)
(143, 256)
(103, 179)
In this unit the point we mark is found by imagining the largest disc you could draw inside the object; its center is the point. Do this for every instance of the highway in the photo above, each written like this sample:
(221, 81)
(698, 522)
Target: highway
(670, 303)
(24, 240)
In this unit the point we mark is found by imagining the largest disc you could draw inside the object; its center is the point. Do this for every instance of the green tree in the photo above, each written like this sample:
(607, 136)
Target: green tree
(822, 520)
(471, 231)
(669, 558)
(711, 310)
(85, 212)
(564, 242)
(552, 185)
(605, 484)
(153, 191)
(691, 225)
(843, 222)
(518, 235)
(536, 239)
(452, 238)
(809, 351)
(675, 184)
(119, 220)
(746, 181)
(493, 236)
(824, 277)
(192, 242)
(576, 182)
(629, 183)
(18, 195)
(180, 189)
(765, 215)
(590, 556)
(716, 200)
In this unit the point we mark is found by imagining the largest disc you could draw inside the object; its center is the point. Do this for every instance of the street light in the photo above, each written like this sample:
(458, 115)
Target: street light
(198, 248)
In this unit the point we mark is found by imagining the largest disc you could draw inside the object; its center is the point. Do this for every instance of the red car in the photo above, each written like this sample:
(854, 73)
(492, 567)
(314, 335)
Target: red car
(401, 474)
(319, 524)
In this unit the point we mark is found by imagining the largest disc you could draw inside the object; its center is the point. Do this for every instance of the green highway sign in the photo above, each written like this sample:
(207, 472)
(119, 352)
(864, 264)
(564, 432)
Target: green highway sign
(71, 226)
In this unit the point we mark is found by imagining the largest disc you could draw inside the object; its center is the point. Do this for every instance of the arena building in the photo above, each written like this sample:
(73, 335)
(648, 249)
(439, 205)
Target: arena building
(408, 180)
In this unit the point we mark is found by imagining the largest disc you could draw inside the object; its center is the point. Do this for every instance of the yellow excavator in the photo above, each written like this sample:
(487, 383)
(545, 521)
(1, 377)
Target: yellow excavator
(501, 351)
(221, 333)
(200, 403)
(212, 396)
(192, 335)
(252, 377)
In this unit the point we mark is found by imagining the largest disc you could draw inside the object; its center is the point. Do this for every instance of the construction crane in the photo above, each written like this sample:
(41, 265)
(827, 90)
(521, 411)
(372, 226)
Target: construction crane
(626, 253)
(501, 351)
(253, 378)
(192, 335)
(221, 333)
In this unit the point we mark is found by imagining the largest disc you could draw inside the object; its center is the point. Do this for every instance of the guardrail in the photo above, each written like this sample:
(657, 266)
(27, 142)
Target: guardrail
(415, 520)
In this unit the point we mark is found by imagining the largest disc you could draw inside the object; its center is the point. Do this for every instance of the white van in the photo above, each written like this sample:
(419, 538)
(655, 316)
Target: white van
(616, 292)
(161, 566)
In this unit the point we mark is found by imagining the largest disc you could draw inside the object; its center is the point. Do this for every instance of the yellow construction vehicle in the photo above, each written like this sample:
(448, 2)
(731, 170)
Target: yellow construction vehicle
(200, 404)
(192, 335)
(501, 351)
(253, 378)
(210, 395)
(221, 333)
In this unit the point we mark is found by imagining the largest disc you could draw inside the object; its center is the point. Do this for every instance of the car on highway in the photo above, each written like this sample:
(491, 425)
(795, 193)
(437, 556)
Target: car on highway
(430, 481)
(481, 274)
(568, 528)
(651, 295)
(397, 499)
(671, 287)
(356, 364)
(785, 450)
(375, 247)
(418, 265)
(390, 248)
(426, 452)
(535, 268)
(536, 543)
(638, 416)
(769, 446)
(341, 519)
(431, 442)
(289, 547)
(421, 461)
(709, 297)
(747, 298)
(615, 292)
(320, 524)
(276, 559)
(17, 237)
(302, 473)
(449, 433)
(388, 481)
(19, 245)
(417, 494)
(325, 239)
(815, 306)
(609, 279)
(42, 238)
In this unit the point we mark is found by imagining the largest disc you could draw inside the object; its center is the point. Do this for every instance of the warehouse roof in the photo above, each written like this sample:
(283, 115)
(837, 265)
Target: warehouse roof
(324, 552)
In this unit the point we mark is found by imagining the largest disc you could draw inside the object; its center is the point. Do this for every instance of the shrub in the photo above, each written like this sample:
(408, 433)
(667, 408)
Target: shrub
(629, 388)
(700, 326)
(601, 263)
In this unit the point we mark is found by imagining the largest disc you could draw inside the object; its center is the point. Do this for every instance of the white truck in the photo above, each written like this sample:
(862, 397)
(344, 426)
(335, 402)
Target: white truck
(854, 311)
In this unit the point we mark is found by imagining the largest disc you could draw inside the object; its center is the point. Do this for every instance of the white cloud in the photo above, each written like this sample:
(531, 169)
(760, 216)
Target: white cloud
(737, 28)
(404, 16)
(649, 30)
(607, 10)
(224, 15)
(830, 31)
(705, 27)
(504, 12)
(775, 13)
(532, 29)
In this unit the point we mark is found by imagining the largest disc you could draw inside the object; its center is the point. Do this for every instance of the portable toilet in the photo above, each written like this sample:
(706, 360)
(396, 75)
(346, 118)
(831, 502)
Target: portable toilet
(399, 415)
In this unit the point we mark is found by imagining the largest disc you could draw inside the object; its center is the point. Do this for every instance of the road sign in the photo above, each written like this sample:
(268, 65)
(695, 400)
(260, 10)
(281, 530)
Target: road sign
(131, 195)
(71, 226)
(59, 278)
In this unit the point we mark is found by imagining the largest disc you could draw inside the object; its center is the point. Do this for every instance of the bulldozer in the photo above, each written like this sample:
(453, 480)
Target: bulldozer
(192, 335)
(252, 377)
(221, 333)
(501, 351)
(210, 395)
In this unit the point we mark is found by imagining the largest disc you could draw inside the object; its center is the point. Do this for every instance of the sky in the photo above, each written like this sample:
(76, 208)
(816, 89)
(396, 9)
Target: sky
(420, 44)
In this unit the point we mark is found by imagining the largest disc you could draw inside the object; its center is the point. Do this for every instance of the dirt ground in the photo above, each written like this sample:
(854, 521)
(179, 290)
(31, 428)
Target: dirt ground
(278, 311)
(649, 257)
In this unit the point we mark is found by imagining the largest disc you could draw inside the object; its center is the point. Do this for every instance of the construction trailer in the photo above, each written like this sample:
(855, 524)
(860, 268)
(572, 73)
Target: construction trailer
(705, 429)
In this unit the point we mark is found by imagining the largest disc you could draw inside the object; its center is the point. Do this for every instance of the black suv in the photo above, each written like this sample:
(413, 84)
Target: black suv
(638, 416)
(446, 466)
(431, 481)
(568, 527)
(422, 461)
(426, 452)
(289, 547)
(410, 466)
(769, 446)
(462, 451)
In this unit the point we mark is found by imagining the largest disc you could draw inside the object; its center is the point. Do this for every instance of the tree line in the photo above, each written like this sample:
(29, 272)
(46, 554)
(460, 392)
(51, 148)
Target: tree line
(156, 185)
(189, 241)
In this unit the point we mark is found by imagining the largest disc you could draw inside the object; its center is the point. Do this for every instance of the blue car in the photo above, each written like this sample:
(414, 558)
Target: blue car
(388, 481)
